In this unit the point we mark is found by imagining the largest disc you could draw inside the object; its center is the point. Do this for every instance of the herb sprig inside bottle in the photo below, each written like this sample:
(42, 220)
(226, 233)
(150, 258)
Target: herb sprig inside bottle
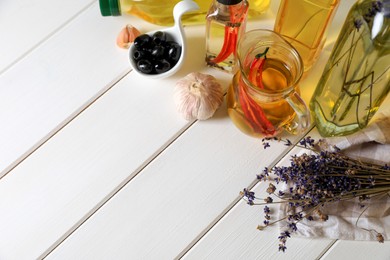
(355, 80)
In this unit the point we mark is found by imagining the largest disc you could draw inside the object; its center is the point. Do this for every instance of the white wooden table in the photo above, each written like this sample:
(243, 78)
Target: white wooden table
(96, 163)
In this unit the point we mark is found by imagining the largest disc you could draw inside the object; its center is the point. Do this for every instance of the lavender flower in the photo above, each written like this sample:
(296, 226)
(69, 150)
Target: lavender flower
(249, 195)
(315, 180)
(358, 23)
(266, 145)
(282, 247)
(376, 7)
(271, 188)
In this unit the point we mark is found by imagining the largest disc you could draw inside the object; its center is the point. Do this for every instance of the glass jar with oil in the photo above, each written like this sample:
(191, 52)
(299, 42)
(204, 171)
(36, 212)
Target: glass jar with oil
(263, 98)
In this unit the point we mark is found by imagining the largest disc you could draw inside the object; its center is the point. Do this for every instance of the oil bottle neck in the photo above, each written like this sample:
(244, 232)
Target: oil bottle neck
(229, 2)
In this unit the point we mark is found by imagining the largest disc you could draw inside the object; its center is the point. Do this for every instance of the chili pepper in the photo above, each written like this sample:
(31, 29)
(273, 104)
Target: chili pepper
(227, 45)
(256, 69)
(254, 113)
(230, 38)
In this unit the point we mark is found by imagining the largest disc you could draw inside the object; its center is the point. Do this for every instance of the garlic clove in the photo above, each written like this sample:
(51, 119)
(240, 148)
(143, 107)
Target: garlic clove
(126, 36)
(198, 96)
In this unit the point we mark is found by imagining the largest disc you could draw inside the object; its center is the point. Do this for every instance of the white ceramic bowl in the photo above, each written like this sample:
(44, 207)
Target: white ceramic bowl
(176, 33)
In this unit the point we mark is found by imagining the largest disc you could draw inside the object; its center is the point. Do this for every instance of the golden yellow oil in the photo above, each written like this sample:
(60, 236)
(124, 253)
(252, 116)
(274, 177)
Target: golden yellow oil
(160, 12)
(303, 23)
(276, 79)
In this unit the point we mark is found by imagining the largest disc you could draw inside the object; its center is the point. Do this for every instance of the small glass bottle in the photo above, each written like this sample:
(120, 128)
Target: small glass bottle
(304, 24)
(225, 23)
(356, 78)
(160, 12)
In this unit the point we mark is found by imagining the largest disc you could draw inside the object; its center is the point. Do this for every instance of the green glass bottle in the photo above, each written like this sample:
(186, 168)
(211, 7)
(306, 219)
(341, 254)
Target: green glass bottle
(356, 78)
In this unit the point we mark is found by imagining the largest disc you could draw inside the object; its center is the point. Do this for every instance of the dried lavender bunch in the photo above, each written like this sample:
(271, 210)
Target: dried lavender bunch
(315, 180)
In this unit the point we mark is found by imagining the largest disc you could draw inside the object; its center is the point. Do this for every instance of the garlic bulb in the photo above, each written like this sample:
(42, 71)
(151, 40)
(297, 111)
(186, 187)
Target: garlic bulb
(126, 36)
(198, 96)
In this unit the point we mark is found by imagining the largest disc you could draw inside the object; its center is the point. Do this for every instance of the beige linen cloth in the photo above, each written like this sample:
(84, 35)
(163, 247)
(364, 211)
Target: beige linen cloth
(370, 144)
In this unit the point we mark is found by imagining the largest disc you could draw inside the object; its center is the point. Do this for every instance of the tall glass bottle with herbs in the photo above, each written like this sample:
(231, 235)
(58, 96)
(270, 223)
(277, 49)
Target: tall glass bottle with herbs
(304, 24)
(356, 78)
(225, 23)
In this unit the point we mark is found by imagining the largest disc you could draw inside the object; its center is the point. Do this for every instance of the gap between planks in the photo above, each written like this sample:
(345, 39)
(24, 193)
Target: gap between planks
(62, 125)
(147, 162)
(48, 36)
(327, 249)
(132, 176)
(238, 199)
(41, 142)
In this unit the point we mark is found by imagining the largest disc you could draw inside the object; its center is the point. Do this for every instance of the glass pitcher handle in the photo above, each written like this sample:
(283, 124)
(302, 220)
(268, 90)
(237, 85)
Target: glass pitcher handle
(302, 119)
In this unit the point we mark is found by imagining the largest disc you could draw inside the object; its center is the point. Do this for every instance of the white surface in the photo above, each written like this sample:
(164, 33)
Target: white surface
(238, 231)
(26, 24)
(97, 164)
(190, 189)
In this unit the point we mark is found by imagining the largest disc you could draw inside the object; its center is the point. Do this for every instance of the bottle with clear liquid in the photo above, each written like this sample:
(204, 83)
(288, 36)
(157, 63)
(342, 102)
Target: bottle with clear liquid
(160, 12)
(356, 78)
(225, 23)
(304, 24)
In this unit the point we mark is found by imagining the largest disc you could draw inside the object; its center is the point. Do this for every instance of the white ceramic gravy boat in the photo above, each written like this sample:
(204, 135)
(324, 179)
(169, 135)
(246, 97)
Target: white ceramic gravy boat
(176, 33)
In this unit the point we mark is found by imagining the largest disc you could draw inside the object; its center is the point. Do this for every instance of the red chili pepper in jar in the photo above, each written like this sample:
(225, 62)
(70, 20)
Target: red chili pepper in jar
(253, 111)
(231, 32)
(256, 69)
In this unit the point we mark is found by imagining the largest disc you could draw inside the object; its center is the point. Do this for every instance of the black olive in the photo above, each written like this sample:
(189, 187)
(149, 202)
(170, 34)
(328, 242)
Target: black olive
(142, 41)
(158, 51)
(174, 51)
(162, 66)
(145, 66)
(159, 37)
(139, 54)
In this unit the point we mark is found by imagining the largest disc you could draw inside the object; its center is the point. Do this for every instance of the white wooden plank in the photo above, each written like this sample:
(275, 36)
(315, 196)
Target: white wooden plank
(84, 164)
(236, 235)
(25, 24)
(57, 80)
(45, 98)
(358, 250)
(158, 213)
(54, 189)
(120, 240)
(72, 174)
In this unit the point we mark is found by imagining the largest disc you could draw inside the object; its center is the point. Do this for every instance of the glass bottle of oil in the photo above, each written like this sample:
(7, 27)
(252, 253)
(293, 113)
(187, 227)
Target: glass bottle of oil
(257, 7)
(160, 12)
(304, 24)
(225, 23)
(356, 78)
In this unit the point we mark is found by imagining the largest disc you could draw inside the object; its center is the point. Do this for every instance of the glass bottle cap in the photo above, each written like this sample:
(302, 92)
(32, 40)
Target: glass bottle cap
(109, 7)
(229, 2)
